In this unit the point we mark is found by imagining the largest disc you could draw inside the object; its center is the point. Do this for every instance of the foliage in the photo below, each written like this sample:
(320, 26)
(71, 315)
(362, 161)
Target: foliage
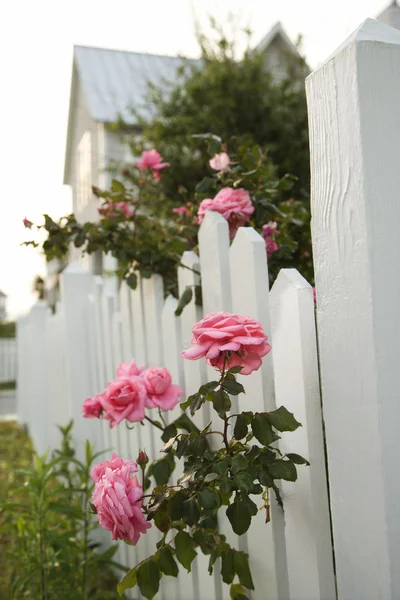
(7, 329)
(45, 516)
(214, 479)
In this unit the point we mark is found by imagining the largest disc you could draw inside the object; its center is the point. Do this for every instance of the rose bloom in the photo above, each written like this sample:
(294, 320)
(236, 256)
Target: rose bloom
(128, 369)
(229, 340)
(117, 498)
(115, 462)
(220, 162)
(234, 205)
(111, 209)
(124, 398)
(151, 159)
(161, 392)
(269, 232)
(181, 210)
(92, 408)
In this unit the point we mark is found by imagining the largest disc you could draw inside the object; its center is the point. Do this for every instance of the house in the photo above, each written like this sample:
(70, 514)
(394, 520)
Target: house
(107, 84)
(3, 309)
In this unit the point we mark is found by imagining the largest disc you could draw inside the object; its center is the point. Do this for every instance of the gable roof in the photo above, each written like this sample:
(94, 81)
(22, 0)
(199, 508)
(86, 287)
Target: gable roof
(391, 15)
(276, 31)
(116, 81)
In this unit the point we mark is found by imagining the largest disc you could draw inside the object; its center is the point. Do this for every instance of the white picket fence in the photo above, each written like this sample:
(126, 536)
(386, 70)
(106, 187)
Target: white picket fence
(63, 358)
(72, 354)
(8, 359)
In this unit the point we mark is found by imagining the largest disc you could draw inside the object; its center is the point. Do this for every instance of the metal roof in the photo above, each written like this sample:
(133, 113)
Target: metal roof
(115, 82)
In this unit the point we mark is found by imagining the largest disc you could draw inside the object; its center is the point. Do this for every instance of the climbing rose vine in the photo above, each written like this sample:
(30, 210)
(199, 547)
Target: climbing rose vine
(230, 469)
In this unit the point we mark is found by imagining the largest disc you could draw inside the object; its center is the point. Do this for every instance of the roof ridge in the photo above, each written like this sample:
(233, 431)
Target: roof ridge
(179, 57)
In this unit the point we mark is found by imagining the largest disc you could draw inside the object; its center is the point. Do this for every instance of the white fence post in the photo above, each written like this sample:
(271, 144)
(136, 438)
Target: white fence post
(354, 115)
(76, 287)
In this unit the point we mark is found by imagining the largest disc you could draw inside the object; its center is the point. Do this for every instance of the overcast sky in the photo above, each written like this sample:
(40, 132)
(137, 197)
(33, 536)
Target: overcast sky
(36, 43)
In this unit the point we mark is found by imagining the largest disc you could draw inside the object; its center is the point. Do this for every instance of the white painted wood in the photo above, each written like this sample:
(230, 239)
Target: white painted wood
(249, 282)
(76, 286)
(38, 426)
(108, 303)
(8, 359)
(23, 411)
(355, 144)
(216, 293)
(307, 525)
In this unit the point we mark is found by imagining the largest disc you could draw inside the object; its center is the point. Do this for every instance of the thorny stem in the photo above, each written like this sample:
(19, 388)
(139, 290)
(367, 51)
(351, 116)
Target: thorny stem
(154, 423)
(85, 545)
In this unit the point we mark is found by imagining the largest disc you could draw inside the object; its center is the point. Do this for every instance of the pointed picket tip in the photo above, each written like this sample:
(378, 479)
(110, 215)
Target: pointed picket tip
(247, 235)
(75, 268)
(369, 31)
(289, 279)
(212, 219)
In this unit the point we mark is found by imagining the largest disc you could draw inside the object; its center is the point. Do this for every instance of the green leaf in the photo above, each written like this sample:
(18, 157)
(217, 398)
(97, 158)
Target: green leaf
(244, 481)
(129, 581)
(182, 446)
(297, 459)
(197, 402)
(240, 429)
(169, 432)
(184, 548)
(132, 280)
(208, 499)
(162, 471)
(210, 477)
(184, 300)
(225, 486)
(162, 520)
(208, 387)
(237, 592)
(191, 512)
(227, 566)
(250, 505)
(283, 420)
(239, 463)
(166, 562)
(221, 402)
(183, 422)
(175, 506)
(262, 429)
(242, 570)
(239, 516)
(148, 578)
(233, 387)
(283, 469)
(199, 445)
(235, 369)
(265, 477)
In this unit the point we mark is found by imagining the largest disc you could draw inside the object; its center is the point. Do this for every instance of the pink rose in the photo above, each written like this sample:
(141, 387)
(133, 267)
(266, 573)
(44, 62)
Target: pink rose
(92, 407)
(151, 159)
(182, 210)
(124, 398)
(234, 205)
(128, 369)
(117, 498)
(269, 232)
(113, 209)
(220, 162)
(27, 223)
(314, 291)
(161, 392)
(233, 340)
(114, 463)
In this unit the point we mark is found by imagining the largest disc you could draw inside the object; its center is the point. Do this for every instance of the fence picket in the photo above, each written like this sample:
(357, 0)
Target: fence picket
(307, 526)
(249, 277)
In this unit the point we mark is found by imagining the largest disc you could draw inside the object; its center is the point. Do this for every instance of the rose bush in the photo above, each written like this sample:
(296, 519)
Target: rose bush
(234, 476)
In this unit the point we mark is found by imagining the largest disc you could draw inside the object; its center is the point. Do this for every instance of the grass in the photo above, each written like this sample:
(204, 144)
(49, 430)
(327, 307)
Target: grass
(7, 385)
(15, 453)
